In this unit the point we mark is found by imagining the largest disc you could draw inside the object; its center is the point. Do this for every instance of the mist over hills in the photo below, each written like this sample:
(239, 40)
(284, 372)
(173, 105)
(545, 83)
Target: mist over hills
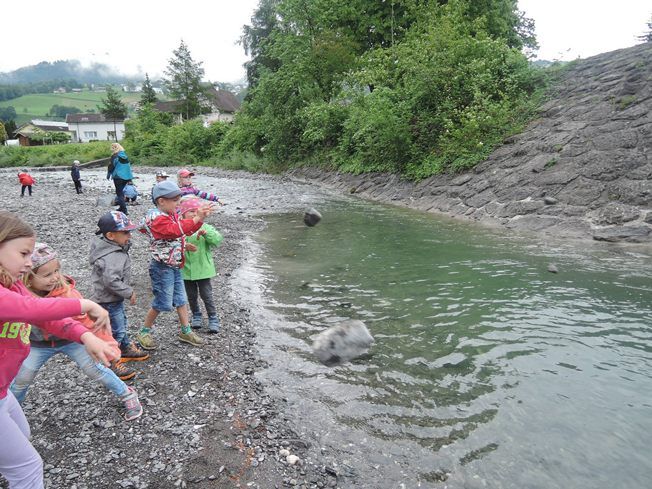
(70, 69)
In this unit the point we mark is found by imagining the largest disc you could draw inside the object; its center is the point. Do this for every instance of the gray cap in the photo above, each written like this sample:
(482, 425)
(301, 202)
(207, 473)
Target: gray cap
(166, 189)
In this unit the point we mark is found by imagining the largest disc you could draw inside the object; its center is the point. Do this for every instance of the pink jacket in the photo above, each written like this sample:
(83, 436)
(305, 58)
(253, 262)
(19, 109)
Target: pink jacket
(18, 308)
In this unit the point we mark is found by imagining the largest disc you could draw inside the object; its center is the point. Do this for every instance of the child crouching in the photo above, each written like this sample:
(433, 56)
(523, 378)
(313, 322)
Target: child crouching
(167, 234)
(45, 280)
(199, 267)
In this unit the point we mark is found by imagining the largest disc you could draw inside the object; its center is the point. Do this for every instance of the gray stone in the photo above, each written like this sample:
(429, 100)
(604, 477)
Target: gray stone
(343, 342)
(632, 234)
(311, 217)
(552, 268)
(549, 200)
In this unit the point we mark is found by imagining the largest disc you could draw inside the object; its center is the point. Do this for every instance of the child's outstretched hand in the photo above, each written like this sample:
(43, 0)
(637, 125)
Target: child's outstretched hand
(132, 299)
(98, 313)
(204, 211)
(190, 247)
(99, 350)
(200, 233)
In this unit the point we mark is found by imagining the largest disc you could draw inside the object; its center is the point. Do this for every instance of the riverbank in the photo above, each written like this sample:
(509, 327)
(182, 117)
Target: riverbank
(208, 421)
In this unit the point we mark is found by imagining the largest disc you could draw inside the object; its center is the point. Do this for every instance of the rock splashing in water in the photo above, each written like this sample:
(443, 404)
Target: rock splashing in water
(311, 217)
(343, 342)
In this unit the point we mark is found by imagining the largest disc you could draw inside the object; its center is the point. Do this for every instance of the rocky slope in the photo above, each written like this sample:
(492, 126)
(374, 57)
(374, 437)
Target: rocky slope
(580, 169)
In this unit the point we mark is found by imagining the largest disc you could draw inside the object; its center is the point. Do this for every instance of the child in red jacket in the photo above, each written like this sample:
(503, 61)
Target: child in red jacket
(26, 180)
(167, 234)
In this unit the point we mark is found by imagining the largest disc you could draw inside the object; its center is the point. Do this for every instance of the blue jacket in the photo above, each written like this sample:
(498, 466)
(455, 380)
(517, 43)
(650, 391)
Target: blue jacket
(74, 173)
(130, 191)
(121, 167)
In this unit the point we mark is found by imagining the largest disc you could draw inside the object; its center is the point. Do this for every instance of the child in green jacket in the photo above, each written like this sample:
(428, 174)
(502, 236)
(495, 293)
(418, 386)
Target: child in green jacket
(199, 267)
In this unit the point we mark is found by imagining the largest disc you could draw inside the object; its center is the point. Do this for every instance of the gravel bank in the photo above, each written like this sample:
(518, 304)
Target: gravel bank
(208, 421)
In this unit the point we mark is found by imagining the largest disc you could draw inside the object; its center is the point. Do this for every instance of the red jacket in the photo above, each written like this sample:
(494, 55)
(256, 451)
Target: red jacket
(25, 179)
(167, 236)
(18, 308)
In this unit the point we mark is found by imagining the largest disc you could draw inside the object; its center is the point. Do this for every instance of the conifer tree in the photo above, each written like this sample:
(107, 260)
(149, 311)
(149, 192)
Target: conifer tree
(148, 94)
(647, 36)
(184, 81)
(113, 108)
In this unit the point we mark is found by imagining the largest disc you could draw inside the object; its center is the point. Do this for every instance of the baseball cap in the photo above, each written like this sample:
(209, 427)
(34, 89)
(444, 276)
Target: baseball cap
(166, 189)
(162, 174)
(114, 221)
(184, 172)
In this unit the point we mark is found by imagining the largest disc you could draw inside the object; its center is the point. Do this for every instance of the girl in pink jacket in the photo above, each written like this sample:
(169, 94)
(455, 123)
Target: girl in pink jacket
(20, 464)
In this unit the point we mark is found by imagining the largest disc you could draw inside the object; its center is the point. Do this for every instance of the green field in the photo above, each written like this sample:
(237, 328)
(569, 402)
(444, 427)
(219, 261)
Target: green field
(36, 106)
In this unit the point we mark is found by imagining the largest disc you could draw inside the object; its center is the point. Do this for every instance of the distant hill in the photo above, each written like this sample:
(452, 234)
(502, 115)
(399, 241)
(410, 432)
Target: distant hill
(70, 69)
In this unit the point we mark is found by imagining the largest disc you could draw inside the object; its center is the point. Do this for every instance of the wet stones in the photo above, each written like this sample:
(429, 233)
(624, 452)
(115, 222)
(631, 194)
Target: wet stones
(343, 342)
(311, 217)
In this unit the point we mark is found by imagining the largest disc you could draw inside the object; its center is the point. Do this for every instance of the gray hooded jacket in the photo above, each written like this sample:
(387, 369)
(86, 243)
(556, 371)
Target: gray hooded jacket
(111, 271)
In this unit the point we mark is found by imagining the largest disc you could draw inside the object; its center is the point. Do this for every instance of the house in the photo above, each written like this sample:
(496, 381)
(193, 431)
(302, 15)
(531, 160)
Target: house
(33, 132)
(223, 105)
(94, 127)
(220, 106)
(59, 90)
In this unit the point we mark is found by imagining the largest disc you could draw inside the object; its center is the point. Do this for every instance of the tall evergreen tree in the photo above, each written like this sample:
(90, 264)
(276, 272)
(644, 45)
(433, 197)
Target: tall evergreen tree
(113, 108)
(184, 81)
(148, 94)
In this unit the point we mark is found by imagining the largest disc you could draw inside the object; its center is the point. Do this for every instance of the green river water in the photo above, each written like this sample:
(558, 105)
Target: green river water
(488, 370)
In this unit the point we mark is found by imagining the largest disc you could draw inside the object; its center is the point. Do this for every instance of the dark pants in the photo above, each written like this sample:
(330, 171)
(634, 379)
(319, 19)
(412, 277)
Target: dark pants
(205, 291)
(78, 186)
(22, 191)
(120, 195)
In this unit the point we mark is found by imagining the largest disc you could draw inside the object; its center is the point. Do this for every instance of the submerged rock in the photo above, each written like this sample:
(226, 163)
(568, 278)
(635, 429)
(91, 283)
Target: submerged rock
(311, 217)
(343, 342)
(552, 268)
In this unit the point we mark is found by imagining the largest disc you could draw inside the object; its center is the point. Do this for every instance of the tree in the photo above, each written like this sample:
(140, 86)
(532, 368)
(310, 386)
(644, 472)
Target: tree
(184, 81)
(3, 133)
(113, 108)
(647, 37)
(148, 94)
(10, 127)
(61, 111)
(7, 113)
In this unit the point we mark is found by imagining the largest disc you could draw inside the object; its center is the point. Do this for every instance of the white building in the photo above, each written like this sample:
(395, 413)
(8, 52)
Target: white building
(94, 127)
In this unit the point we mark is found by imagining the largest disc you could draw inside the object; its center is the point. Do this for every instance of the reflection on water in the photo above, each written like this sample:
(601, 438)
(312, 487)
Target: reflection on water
(488, 371)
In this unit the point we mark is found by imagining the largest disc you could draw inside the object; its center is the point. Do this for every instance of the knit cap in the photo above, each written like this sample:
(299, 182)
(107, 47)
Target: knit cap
(42, 254)
(190, 204)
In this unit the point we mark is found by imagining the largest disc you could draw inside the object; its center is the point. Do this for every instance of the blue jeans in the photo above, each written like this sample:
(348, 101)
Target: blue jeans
(119, 322)
(77, 353)
(167, 286)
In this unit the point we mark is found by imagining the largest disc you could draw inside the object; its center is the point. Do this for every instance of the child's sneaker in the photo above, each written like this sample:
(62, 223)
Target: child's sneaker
(213, 324)
(123, 373)
(146, 341)
(191, 338)
(132, 405)
(196, 321)
(132, 353)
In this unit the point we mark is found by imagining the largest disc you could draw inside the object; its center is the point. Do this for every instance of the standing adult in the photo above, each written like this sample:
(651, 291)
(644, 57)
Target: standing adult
(120, 170)
(76, 176)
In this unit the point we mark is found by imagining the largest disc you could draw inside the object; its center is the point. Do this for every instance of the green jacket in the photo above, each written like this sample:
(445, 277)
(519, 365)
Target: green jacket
(199, 264)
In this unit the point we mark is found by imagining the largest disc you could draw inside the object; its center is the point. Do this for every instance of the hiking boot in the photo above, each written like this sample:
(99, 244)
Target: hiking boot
(196, 321)
(132, 353)
(132, 405)
(122, 372)
(146, 341)
(213, 324)
(191, 338)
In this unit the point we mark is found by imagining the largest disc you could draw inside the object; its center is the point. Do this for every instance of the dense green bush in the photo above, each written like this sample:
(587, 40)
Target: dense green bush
(57, 154)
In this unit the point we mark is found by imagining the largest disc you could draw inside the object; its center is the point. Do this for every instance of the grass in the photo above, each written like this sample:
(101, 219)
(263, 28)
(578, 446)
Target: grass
(37, 105)
(55, 155)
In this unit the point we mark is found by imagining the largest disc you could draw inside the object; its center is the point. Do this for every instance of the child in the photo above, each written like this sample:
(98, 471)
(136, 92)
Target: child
(161, 176)
(45, 280)
(185, 184)
(111, 273)
(26, 180)
(167, 245)
(199, 267)
(20, 463)
(76, 176)
(130, 193)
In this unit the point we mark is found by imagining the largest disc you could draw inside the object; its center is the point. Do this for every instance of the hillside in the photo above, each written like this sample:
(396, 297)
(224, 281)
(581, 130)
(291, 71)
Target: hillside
(580, 169)
(66, 70)
(37, 106)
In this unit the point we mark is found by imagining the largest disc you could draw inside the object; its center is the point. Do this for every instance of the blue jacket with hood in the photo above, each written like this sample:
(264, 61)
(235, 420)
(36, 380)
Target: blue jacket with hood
(121, 167)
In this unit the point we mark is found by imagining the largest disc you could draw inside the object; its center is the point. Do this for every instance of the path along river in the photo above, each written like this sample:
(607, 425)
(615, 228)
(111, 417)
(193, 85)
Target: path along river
(488, 370)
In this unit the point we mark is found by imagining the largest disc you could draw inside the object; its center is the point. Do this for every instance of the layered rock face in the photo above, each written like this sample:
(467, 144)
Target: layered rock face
(582, 168)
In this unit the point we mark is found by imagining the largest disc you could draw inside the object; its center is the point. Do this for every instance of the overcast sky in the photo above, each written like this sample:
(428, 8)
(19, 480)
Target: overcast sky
(137, 35)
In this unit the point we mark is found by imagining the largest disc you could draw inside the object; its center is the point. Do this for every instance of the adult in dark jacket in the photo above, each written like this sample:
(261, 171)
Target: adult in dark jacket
(120, 170)
(76, 176)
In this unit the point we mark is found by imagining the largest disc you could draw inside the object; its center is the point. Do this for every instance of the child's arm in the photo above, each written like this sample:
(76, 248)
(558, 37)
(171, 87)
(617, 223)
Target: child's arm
(24, 307)
(212, 236)
(202, 194)
(163, 227)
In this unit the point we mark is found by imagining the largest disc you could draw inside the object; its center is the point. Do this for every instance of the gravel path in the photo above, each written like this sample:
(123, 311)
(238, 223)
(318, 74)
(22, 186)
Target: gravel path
(208, 421)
